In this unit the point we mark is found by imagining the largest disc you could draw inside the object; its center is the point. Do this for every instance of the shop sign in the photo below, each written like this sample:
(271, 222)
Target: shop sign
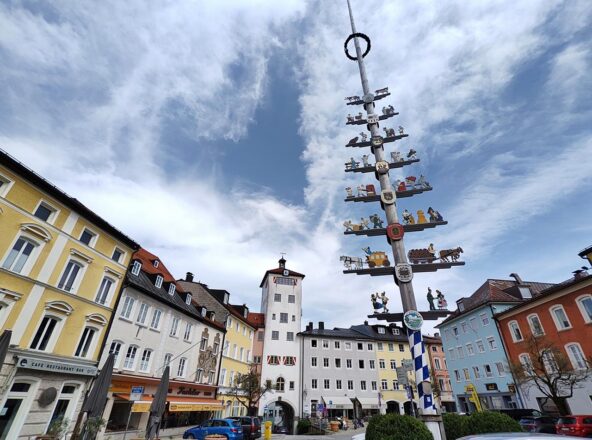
(179, 407)
(140, 407)
(136, 393)
(185, 391)
(55, 367)
(491, 386)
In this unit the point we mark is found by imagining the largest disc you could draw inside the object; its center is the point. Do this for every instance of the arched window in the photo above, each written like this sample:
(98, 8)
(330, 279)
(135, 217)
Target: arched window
(576, 356)
(515, 331)
(560, 317)
(535, 325)
(130, 357)
(280, 384)
(20, 253)
(585, 305)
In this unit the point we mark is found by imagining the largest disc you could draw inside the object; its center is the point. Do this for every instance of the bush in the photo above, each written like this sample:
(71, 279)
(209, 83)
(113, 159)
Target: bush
(303, 426)
(490, 421)
(455, 425)
(396, 427)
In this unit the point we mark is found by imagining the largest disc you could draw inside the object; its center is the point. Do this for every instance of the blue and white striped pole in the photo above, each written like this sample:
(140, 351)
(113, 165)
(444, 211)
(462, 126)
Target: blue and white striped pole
(422, 371)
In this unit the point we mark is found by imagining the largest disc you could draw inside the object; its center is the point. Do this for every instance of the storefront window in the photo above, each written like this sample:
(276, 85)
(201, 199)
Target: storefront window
(119, 416)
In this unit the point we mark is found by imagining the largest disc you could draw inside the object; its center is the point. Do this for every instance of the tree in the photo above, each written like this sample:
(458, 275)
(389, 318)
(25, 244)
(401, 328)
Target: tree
(247, 389)
(546, 367)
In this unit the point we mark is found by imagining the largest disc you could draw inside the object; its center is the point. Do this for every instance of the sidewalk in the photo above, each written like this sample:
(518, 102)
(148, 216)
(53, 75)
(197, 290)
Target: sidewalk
(339, 435)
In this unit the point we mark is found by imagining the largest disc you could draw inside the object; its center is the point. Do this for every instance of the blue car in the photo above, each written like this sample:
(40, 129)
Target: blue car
(232, 429)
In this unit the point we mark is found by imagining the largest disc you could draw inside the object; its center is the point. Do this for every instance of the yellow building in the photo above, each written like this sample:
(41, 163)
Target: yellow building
(61, 270)
(392, 347)
(237, 352)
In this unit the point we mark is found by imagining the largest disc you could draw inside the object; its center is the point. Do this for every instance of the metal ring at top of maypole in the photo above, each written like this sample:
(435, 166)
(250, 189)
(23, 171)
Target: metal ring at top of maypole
(364, 37)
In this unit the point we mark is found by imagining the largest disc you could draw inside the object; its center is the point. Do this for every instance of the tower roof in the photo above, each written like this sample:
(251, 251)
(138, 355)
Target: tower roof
(280, 271)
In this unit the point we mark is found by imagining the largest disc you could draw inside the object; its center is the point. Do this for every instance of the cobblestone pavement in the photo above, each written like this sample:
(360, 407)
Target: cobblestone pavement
(340, 435)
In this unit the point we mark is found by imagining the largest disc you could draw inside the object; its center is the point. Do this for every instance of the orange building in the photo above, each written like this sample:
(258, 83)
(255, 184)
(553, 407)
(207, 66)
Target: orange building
(562, 315)
(439, 372)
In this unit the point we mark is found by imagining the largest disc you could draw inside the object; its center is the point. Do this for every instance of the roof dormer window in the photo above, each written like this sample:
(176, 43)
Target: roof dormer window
(136, 268)
(172, 289)
(381, 330)
(158, 282)
(155, 263)
(204, 312)
(188, 299)
(226, 298)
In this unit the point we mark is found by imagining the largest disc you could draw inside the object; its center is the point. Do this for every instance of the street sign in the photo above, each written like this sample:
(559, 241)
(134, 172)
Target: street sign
(136, 393)
(330, 402)
(407, 363)
(402, 375)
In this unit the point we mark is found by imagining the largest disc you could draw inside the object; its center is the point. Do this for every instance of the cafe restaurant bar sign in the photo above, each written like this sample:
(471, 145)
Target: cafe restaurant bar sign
(56, 367)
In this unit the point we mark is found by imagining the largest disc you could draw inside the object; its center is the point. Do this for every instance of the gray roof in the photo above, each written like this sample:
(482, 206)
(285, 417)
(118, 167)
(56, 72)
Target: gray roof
(363, 331)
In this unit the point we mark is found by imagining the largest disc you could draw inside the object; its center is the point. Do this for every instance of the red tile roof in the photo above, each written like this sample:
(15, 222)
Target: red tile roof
(147, 259)
(280, 271)
(257, 320)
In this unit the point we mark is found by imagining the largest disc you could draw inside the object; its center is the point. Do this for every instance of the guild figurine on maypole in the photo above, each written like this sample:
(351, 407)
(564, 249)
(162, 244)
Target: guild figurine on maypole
(377, 262)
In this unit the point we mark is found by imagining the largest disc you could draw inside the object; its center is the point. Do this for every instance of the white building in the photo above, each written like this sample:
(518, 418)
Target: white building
(281, 303)
(155, 325)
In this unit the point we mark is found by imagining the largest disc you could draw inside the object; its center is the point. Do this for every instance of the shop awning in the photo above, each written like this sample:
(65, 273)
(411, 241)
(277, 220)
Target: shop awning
(338, 402)
(368, 402)
(176, 403)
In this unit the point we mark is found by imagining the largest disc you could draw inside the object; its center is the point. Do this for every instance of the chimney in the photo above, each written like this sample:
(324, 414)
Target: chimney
(309, 327)
(365, 322)
(310, 324)
(189, 277)
(321, 325)
(516, 277)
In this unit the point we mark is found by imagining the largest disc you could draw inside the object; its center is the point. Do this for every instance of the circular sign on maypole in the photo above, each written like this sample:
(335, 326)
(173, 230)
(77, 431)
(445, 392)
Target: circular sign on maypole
(413, 320)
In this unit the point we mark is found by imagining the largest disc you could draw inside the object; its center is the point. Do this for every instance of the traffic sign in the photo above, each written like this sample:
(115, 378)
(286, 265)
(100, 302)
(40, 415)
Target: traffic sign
(136, 393)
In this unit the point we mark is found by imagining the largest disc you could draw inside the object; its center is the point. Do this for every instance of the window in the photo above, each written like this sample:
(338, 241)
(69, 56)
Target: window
(314, 384)
(464, 326)
(87, 237)
(337, 363)
(370, 347)
(155, 324)
(451, 354)
(104, 291)
(360, 346)
(467, 374)
(167, 359)
(158, 282)
(44, 212)
(395, 384)
(492, 343)
(325, 362)
(338, 384)
(203, 344)
(229, 322)
(325, 343)
(136, 268)
(19, 254)
(535, 325)
(291, 299)
(130, 357)
(273, 316)
(290, 336)
(455, 331)
(560, 318)
(372, 364)
(291, 385)
(457, 375)
(128, 305)
(216, 346)
(348, 363)
(280, 384)
(174, 326)
(488, 371)
(393, 364)
(396, 331)
(526, 363)
(145, 360)
(576, 356)
(515, 331)
(273, 360)
(381, 330)
(223, 376)
(181, 368)
(5, 185)
(437, 364)
(337, 345)
(172, 289)
(473, 323)
(293, 318)
(480, 346)
(461, 353)
(470, 349)
(500, 368)
(61, 408)
(117, 254)
(69, 276)
(363, 385)
(257, 359)
(434, 349)
(242, 352)
(313, 343)
(350, 384)
(384, 384)
(275, 335)
(313, 361)
(155, 263)
(82, 350)
(115, 348)
(361, 363)
(44, 332)
(260, 335)
(142, 313)
(379, 346)
(476, 372)
(391, 346)
(283, 318)
(484, 319)
(277, 297)
(381, 364)
(585, 305)
(187, 334)
(326, 384)
(284, 281)
(401, 348)
(290, 360)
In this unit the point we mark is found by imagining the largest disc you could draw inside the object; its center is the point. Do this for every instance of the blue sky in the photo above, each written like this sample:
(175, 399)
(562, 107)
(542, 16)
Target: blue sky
(213, 132)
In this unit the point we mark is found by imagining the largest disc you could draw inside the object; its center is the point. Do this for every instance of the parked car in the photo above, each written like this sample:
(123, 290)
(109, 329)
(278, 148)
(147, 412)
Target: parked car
(251, 427)
(518, 413)
(232, 429)
(543, 424)
(279, 429)
(578, 426)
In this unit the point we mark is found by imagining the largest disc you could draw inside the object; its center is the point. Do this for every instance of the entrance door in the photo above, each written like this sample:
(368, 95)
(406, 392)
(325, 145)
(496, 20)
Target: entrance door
(392, 407)
(15, 408)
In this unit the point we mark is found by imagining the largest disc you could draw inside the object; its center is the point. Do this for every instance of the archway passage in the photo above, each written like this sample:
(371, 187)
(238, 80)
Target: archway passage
(281, 414)
(393, 407)
(410, 410)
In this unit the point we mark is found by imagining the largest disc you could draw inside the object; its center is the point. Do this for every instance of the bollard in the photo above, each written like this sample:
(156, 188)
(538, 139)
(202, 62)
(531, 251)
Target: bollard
(267, 432)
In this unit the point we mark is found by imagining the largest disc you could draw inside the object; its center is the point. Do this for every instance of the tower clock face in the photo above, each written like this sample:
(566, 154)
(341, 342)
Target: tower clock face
(377, 141)
(286, 272)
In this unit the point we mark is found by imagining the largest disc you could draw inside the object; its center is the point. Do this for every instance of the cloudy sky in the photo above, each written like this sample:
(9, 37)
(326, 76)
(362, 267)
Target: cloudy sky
(212, 132)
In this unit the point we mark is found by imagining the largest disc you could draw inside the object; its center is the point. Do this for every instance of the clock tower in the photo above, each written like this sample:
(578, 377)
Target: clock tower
(281, 303)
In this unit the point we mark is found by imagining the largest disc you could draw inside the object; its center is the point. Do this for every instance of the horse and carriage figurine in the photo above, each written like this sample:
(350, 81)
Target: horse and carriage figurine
(373, 259)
